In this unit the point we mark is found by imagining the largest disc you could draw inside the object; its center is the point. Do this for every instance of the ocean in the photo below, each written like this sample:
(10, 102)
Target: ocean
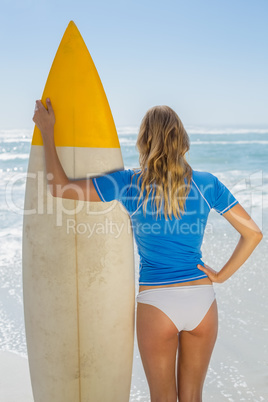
(239, 158)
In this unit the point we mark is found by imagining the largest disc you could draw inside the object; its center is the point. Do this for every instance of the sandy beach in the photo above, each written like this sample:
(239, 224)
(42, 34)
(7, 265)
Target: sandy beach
(15, 384)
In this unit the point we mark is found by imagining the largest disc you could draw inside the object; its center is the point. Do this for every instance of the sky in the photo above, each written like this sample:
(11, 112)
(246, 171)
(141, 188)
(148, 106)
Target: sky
(207, 59)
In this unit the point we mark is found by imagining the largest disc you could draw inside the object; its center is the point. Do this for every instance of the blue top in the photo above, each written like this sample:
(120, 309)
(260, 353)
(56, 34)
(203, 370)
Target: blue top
(169, 249)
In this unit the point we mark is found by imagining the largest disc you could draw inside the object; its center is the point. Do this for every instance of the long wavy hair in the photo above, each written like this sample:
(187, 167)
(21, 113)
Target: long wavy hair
(162, 144)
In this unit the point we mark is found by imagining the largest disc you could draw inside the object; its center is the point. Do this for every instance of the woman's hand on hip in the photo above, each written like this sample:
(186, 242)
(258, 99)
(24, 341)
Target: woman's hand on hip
(213, 275)
(44, 118)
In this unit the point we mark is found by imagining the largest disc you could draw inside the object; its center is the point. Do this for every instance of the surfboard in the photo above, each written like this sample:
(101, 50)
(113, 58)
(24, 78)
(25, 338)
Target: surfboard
(78, 259)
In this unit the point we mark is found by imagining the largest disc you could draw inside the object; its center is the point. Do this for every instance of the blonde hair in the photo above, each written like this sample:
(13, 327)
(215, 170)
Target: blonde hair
(162, 143)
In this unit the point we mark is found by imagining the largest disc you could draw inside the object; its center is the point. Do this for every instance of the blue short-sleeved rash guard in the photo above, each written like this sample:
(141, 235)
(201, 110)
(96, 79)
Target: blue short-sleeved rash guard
(169, 249)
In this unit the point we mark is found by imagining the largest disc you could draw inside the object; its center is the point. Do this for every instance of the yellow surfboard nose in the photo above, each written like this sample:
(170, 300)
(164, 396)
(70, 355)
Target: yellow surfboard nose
(83, 115)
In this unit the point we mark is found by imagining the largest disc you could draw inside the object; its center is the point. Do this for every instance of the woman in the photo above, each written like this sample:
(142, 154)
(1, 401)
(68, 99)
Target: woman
(168, 203)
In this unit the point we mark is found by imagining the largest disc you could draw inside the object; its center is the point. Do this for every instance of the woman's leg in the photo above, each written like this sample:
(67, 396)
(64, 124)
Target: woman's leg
(158, 342)
(195, 349)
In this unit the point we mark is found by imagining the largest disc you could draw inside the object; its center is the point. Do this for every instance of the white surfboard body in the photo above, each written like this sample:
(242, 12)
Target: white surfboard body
(78, 259)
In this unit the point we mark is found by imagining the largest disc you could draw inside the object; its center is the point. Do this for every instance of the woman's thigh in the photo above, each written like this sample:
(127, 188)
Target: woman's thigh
(195, 349)
(158, 342)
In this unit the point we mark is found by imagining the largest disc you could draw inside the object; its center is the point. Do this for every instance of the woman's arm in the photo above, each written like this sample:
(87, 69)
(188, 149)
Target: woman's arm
(60, 185)
(250, 237)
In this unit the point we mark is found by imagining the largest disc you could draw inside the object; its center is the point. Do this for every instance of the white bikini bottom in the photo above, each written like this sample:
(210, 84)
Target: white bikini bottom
(186, 306)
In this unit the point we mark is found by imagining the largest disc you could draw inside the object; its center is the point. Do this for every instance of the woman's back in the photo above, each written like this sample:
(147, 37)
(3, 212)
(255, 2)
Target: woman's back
(169, 249)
